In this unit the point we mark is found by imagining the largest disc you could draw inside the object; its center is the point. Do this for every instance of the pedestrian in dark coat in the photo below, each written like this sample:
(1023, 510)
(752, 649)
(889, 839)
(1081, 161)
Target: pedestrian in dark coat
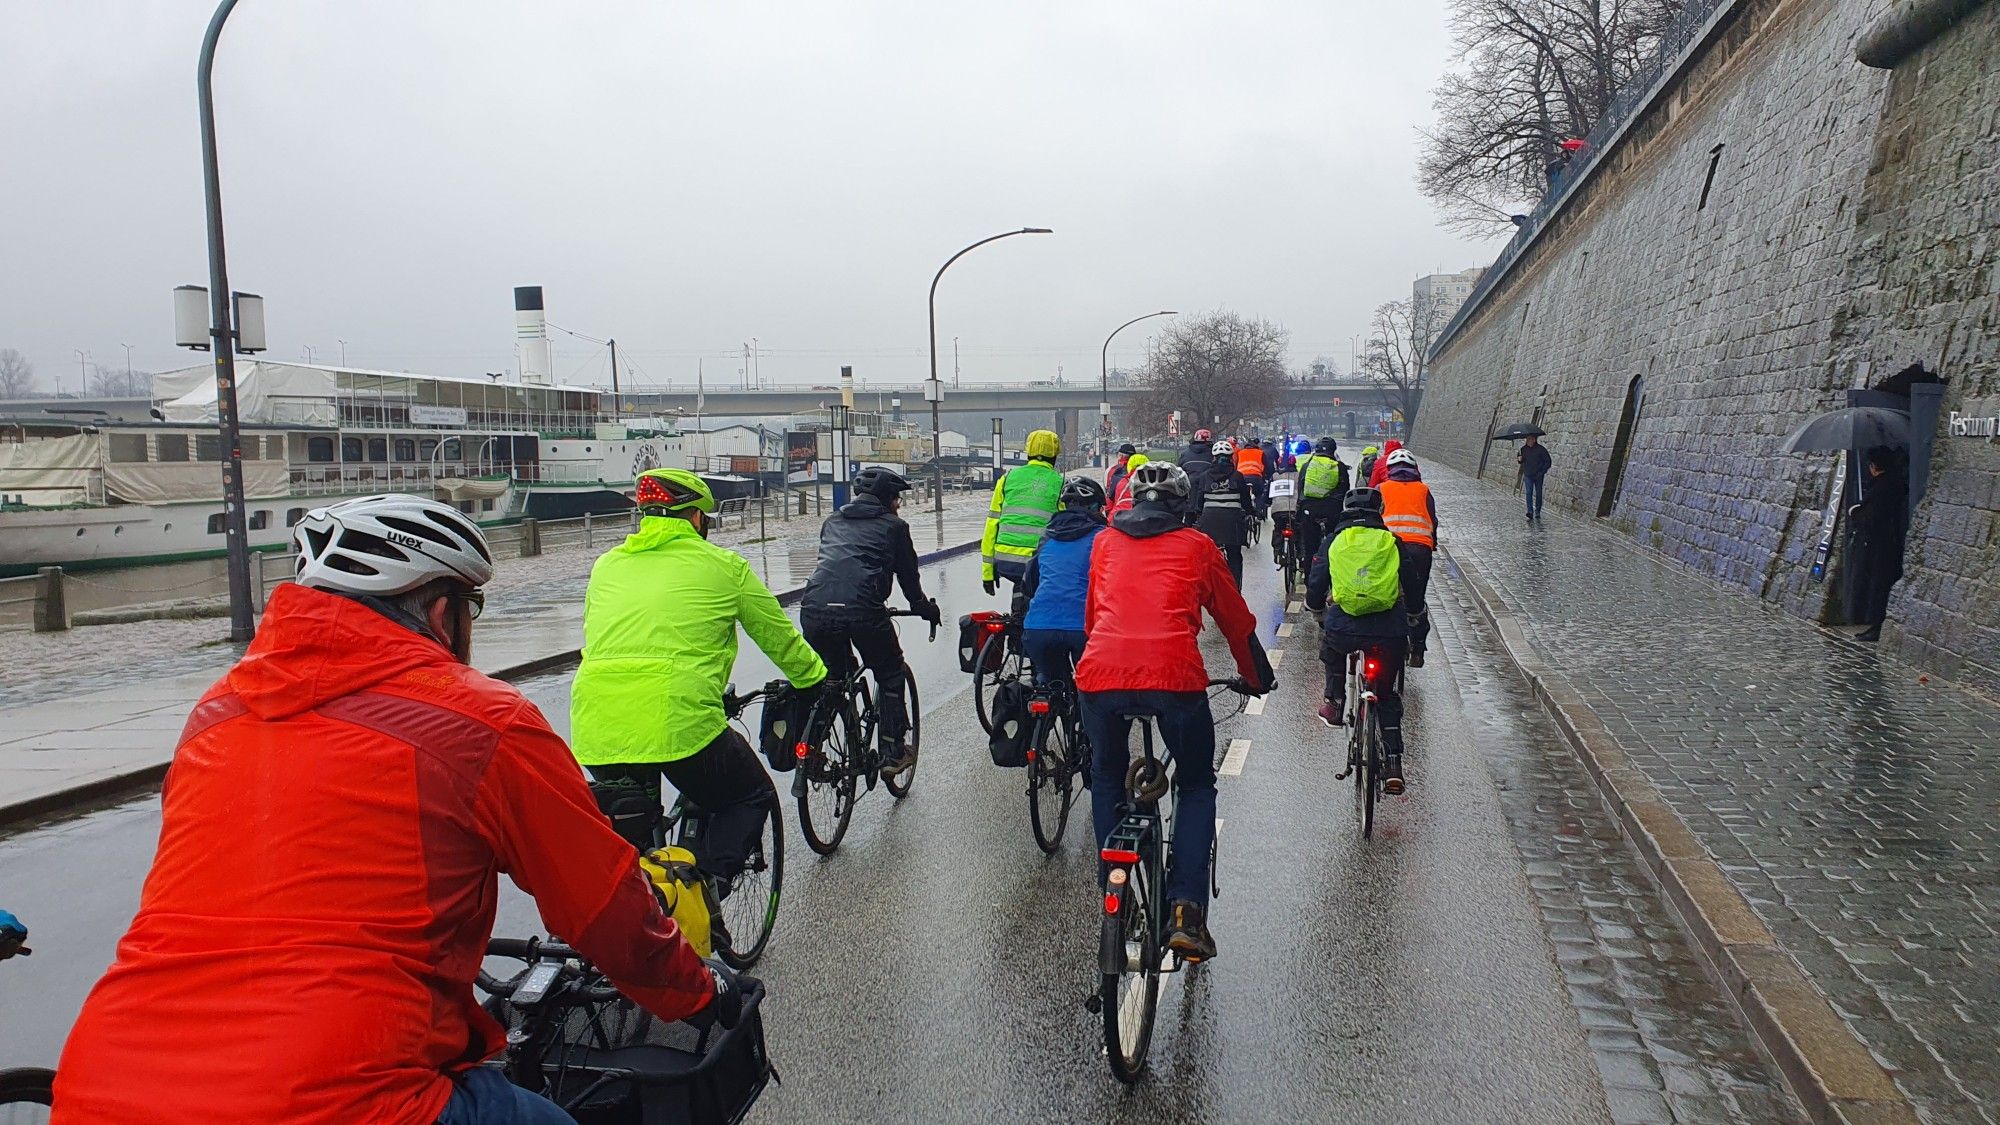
(1880, 525)
(1535, 461)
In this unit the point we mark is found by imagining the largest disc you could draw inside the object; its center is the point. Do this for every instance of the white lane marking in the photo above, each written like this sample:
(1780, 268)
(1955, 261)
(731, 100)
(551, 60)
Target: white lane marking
(1277, 657)
(1232, 762)
(1285, 629)
(1255, 706)
(1296, 607)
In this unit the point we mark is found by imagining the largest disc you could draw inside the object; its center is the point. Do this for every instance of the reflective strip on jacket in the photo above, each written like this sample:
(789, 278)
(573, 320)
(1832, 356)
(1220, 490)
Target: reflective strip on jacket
(1023, 503)
(659, 643)
(1406, 510)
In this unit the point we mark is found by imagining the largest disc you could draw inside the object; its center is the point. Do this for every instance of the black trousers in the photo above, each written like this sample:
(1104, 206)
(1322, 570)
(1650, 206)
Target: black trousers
(726, 781)
(1388, 653)
(1416, 567)
(837, 638)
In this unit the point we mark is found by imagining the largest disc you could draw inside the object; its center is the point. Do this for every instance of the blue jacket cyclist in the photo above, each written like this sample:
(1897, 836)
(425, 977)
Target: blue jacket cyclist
(1058, 580)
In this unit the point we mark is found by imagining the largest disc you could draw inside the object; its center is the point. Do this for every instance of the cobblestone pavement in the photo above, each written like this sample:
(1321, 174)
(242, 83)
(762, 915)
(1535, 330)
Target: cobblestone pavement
(46, 666)
(1666, 1041)
(1851, 800)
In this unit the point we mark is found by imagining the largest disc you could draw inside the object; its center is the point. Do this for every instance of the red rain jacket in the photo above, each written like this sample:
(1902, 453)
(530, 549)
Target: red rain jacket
(1150, 578)
(333, 826)
(1380, 472)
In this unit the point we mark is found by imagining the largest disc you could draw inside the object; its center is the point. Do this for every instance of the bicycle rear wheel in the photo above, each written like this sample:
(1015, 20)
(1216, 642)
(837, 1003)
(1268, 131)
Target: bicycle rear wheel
(913, 731)
(983, 682)
(825, 785)
(1371, 769)
(1051, 780)
(751, 910)
(1130, 985)
(26, 1095)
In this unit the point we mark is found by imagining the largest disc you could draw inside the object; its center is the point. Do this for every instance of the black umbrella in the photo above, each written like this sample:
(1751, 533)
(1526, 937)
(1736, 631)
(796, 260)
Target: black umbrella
(1852, 427)
(1519, 430)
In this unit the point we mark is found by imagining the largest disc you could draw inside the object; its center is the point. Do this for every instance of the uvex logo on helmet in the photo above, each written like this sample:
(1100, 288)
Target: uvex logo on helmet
(404, 539)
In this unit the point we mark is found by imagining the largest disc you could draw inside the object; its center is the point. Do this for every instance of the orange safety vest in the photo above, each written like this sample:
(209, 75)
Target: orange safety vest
(1250, 461)
(1406, 510)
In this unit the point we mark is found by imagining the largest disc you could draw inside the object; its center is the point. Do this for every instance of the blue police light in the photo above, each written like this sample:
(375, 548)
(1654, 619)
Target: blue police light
(1302, 446)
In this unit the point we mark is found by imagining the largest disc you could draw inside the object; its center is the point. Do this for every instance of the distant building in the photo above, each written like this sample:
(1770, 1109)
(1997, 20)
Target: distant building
(1445, 292)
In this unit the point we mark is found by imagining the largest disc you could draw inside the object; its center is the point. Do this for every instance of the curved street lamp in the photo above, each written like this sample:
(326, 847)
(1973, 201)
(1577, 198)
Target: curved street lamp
(1104, 383)
(934, 390)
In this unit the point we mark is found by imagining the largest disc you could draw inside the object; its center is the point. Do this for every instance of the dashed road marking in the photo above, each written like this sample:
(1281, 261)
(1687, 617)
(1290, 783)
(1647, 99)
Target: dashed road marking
(1296, 607)
(1232, 762)
(1285, 629)
(1255, 706)
(1277, 657)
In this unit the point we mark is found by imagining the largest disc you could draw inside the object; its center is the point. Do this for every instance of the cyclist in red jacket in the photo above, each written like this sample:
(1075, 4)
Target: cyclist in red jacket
(332, 830)
(1150, 579)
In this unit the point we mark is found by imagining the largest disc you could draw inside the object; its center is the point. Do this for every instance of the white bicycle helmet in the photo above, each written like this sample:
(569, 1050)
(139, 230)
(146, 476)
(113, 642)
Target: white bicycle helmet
(1402, 457)
(390, 544)
(1155, 480)
(1223, 448)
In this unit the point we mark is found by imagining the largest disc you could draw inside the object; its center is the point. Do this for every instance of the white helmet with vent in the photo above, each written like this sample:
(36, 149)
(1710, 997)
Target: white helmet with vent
(390, 544)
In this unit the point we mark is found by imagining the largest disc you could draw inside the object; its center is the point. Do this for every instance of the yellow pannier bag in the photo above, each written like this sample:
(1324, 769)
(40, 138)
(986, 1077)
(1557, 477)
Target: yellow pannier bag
(682, 893)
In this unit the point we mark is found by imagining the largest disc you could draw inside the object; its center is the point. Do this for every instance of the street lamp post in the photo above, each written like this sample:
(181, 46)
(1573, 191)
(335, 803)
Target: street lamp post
(235, 530)
(1104, 385)
(934, 390)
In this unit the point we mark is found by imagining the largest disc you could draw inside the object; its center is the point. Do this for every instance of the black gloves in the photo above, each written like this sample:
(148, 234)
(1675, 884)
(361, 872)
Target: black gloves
(989, 586)
(727, 1007)
(929, 611)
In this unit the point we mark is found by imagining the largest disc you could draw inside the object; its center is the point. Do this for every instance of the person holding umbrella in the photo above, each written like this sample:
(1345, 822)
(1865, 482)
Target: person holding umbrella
(1535, 462)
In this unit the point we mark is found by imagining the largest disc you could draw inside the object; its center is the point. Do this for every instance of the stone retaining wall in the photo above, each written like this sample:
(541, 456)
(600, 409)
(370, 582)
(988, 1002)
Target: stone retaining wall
(1850, 226)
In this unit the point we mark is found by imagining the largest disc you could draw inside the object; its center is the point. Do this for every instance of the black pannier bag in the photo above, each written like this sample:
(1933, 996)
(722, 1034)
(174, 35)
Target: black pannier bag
(1012, 725)
(973, 629)
(783, 727)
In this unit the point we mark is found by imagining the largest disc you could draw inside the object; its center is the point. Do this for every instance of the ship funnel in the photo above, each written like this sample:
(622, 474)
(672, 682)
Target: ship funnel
(531, 335)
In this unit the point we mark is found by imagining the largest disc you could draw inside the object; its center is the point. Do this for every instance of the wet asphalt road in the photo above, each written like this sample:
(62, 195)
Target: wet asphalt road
(935, 968)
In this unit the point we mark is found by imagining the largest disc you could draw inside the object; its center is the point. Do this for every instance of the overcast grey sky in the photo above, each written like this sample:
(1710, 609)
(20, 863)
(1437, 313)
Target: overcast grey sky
(688, 176)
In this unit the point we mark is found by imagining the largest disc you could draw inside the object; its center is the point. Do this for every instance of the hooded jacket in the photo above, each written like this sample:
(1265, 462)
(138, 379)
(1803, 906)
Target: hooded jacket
(1150, 579)
(659, 642)
(1059, 575)
(333, 826)
(1388, 624)
(861, 547)
(1224, 503)
(1379, 472)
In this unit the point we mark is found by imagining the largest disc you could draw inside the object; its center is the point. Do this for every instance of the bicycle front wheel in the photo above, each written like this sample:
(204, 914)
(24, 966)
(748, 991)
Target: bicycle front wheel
(913, 736)
(825, 785)
(751, 910)
(26, 1095)
(1051, 780)
(1130, 985)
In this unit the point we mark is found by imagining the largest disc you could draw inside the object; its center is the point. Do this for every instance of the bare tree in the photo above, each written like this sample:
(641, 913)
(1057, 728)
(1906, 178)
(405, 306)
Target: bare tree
(17, 375)
(1218, 368)
(116, 382)
(1533, 73)
(1399, 343)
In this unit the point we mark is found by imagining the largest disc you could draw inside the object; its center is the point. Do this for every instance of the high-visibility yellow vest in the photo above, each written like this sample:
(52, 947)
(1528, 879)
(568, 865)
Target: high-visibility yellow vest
(1321, 475)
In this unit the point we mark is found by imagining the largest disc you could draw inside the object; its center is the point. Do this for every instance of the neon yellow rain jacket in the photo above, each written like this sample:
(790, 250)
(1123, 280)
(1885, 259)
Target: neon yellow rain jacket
(659, 642)
(1023, 503)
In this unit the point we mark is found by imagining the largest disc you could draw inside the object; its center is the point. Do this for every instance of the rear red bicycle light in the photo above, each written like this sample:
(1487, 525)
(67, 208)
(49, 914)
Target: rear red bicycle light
(1038, 707)
(1031, 756)
(1288, 533)
(801, 751)
(1118, 855)
(1111, 902)
(994, 627)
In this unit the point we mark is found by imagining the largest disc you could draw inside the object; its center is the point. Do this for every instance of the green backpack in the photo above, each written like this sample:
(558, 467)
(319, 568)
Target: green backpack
(1363, 565)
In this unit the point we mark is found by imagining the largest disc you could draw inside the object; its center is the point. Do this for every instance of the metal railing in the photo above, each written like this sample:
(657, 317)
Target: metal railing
(1682, 37)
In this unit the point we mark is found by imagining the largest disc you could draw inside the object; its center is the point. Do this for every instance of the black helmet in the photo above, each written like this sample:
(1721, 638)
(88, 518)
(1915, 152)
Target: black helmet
(1128, 449)
(1082, 492)
(883, 484)
(1363, 500)
(1327, 447)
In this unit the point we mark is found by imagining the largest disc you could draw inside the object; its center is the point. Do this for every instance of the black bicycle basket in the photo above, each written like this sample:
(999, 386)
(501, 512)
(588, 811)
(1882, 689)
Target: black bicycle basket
(653, 1072)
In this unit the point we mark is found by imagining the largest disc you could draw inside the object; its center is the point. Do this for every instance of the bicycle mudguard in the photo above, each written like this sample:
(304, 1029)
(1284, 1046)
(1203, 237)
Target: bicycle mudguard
(1111, 957)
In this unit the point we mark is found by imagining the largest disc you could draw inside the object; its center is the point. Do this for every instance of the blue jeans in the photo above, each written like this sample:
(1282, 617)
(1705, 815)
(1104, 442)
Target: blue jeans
(1188, 730)
(1053, 652)
(1532, 486)
(485, 1097)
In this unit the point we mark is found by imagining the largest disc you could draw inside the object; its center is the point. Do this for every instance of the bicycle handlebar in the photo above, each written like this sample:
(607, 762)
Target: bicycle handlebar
(733, 704)
(534, 950)
(889, 612)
